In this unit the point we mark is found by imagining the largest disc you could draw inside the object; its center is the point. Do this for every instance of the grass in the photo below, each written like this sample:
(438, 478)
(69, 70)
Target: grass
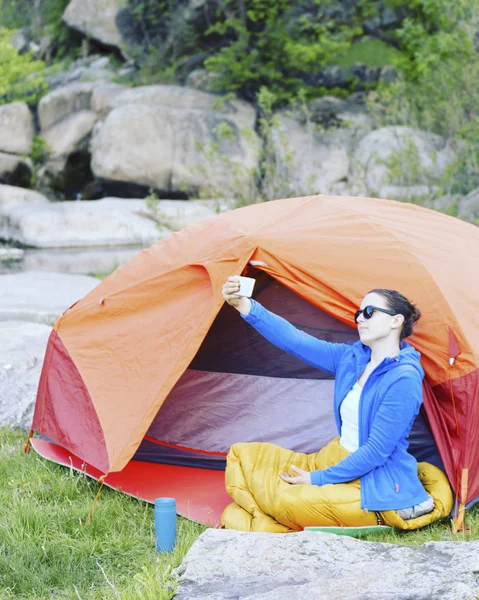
(47, 553)
(372, 52)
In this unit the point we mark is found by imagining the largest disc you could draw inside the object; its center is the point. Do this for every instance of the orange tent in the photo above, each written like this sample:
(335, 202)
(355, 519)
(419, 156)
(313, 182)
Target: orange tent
(157, 330)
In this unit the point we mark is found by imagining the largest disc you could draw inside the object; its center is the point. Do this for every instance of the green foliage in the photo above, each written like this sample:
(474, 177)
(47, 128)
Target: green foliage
(438, 90)
(21, 77)
(48, 553)
(370, 51)
(39, 153)
(263, 45)
(39, 18)
(435, 31)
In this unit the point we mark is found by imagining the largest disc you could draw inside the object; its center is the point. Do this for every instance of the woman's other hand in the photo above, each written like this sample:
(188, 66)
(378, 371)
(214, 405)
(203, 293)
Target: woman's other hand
(299, 478)
(230, 288)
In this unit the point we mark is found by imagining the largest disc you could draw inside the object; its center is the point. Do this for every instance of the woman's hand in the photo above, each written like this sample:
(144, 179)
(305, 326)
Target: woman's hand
(300, 478)
(230, 288)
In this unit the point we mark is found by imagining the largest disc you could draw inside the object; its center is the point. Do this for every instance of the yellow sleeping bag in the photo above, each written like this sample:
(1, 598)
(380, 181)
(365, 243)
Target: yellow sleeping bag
(264, 502)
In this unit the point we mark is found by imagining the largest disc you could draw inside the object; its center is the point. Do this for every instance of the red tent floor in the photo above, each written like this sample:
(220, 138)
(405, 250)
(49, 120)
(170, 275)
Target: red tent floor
(200, 493)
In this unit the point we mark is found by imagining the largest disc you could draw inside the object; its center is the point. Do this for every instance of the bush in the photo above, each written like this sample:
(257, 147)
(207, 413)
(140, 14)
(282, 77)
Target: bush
(21, 77)
(438, 89)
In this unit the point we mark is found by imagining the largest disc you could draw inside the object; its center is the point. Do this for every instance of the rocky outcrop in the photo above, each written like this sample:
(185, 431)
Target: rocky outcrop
(468, 208)
(106, 222)
(22, 350)
(15, 170)
(96, 19)
(16, 128)
(175, 139)
(10, 194)
(40, 297)
(70, 134)
(64, 102)
(401, 157)
(223, 565)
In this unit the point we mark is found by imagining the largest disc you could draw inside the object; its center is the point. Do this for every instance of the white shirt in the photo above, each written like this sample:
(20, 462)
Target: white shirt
(349, 411)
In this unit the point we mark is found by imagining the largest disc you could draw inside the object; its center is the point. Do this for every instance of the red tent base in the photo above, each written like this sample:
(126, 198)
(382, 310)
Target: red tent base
(200, 493)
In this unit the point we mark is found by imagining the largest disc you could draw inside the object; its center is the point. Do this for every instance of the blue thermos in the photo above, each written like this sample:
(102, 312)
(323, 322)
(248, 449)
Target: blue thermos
(165, 524)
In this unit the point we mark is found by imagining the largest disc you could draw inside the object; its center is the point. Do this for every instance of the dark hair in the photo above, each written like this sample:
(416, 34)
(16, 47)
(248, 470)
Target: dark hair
(401, 306)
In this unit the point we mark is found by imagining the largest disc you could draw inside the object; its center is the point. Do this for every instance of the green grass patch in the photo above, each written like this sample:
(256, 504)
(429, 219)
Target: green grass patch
(47, 553)
(372, 52)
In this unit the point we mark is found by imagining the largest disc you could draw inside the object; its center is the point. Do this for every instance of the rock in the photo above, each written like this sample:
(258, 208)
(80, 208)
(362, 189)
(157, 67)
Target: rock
(19, 41)
(11, 254)
(448, 204)
(10, 194)
(70, 134)
(181, 98)
(225, 565)
(469, 207)
(308, 161)
(16, 128)
(79, 261)
(94, 68)
(107, 222)
(15, 170)
(399, 156)
(40, 297)
(103, 95)
(96, 19)
(22, 350)
(408, 193)
(330, 77)
(201, 79)
(162, 137)
(63, 102)
(388, 74)
(364, 73)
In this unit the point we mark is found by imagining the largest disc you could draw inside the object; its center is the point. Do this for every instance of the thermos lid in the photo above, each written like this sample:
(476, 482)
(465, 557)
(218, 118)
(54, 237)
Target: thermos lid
(165, 502)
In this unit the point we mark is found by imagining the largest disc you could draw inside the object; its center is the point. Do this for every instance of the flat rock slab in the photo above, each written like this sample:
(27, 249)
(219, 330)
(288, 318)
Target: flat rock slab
(106, 222)
(41, 297)
(232, 565)
(22, 349)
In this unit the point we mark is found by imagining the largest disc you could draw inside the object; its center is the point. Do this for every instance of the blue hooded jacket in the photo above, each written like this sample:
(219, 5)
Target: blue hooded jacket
(390, 401)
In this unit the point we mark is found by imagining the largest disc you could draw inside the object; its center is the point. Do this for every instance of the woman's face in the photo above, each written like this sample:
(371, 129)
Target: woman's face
(380, 325)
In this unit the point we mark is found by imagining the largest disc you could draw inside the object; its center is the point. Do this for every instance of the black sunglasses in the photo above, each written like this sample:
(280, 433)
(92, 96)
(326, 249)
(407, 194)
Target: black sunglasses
(368, 311)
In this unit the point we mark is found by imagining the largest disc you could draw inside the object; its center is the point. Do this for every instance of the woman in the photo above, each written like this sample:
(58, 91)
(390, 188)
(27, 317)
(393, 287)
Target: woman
(367, 470)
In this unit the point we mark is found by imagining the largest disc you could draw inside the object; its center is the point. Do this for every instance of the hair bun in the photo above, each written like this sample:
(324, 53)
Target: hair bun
(415, 313)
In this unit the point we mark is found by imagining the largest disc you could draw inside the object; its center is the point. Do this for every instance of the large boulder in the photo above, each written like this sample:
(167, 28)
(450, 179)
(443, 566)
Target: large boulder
(313, 144)
(103, 95)
(399, 156)
(70, 134)
(15, 170)
(63, 102)
(182, 98)
(22, 350)
(16, 128)
(10, 194)
(106, 222)
(96, 19)
(40, 297)
(308, 161)
(176, 140)
(223, 565)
